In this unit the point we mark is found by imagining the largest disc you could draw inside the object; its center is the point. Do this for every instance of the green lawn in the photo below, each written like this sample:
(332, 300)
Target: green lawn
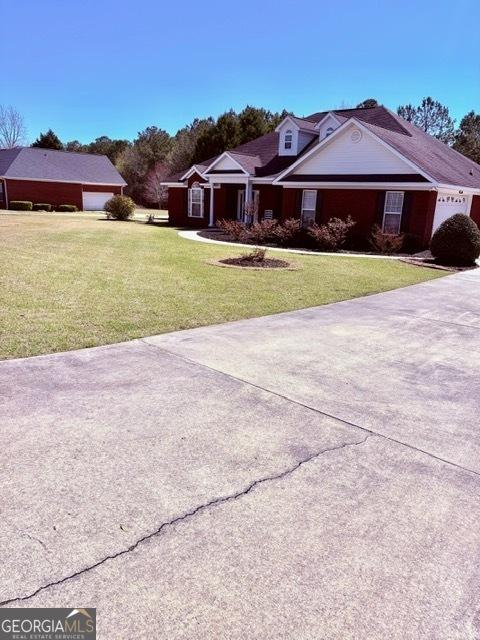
(71, 281)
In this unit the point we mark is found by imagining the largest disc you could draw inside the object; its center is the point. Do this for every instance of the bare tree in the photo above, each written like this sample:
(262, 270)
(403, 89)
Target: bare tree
(12, 128)
(153, 191)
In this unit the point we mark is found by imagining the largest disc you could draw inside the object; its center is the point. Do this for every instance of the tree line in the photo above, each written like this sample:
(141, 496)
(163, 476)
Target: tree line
(154, 154)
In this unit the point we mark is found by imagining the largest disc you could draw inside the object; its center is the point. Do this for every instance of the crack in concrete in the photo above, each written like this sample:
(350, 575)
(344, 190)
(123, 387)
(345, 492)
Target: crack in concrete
(33, 538)
(189, 514)
(307, 406)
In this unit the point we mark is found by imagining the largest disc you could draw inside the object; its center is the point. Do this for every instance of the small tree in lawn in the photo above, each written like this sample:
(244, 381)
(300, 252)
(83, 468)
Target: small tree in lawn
(153, 191)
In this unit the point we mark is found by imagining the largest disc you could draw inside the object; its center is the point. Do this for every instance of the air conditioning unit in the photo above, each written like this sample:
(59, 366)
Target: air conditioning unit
(268, 214)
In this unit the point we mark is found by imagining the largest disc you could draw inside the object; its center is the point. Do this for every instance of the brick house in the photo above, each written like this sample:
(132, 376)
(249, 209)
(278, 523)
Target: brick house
(57, 177)
(367, 163)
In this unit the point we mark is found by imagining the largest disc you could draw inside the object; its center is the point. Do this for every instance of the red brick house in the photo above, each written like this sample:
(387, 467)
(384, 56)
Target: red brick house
(57, 177)
(367, 163)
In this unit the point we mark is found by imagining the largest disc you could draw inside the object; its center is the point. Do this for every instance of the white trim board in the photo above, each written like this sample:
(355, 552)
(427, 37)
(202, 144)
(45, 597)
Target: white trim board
(390, 186)
(193, 169)
(224, 156)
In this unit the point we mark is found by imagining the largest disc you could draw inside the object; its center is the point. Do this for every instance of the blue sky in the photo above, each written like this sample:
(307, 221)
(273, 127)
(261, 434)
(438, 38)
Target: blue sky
(110, 67)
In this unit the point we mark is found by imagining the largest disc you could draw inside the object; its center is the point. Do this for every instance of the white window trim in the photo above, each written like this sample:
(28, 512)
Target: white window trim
(314, 210)
(393, 213)
(190, 202)
(289, 142)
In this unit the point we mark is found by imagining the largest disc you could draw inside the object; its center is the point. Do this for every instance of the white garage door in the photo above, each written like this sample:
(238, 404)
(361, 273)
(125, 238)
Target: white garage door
(448, 205)
(94, 200)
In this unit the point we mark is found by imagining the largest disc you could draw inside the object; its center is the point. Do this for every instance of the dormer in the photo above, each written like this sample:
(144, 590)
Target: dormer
(327, 125)
(293, 135)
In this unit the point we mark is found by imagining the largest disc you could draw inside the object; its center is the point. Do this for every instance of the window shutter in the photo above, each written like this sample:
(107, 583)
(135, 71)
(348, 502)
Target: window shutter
(298, 202)
(206, 202)
(318, 208)
(407, 208)
(380, 207)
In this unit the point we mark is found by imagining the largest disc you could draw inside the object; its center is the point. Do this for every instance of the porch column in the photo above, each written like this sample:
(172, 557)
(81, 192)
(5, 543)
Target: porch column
(249, 198)
(210, 216)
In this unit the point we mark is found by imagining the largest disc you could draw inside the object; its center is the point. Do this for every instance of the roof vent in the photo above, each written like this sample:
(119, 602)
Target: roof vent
(356, 135)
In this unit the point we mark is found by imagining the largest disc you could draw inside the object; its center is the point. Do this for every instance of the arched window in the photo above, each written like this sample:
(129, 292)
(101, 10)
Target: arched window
(288, 139)
(195, 201)
(329, 131)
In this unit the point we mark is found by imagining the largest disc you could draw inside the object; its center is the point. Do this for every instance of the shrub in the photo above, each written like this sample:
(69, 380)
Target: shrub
(21, 205)
(120, 207)
(256, 255)
(234, 229)
(67, 208)
(41, 206)
(261, 232)
(411, 243)
(386, 242)
(332, 235)
(456, 241)
(286, 231)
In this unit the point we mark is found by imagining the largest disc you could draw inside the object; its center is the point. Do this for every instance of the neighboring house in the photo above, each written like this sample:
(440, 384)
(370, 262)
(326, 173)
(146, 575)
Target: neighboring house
(367, 163)
(57, 177)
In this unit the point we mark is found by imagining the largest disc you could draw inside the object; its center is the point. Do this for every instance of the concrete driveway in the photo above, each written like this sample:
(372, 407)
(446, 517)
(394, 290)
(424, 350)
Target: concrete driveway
(311, 475)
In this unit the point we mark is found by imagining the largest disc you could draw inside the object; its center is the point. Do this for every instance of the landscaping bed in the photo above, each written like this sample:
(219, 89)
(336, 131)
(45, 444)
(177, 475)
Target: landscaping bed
(221, 236)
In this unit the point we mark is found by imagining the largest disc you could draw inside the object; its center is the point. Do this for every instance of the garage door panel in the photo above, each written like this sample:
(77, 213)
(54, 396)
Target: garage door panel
(95, 200)
(447, 206)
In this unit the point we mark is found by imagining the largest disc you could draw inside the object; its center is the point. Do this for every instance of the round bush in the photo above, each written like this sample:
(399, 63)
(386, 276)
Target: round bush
(42, 206)
(120, 207)
(456, 241)
(21, 205)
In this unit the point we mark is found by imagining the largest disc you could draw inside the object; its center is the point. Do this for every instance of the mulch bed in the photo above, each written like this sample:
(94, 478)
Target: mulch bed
(267, 263)
(245, 263)
(431, 264)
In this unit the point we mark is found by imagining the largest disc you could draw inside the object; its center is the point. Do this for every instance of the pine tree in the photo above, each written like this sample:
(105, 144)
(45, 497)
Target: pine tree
(48, 140)
(431, 116)
(467, 138)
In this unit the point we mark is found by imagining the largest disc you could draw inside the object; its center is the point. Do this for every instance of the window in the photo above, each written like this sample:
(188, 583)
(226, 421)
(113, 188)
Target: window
(329, 131)
(309, 204)
(392, 212)
(288, 139)
(195, 201)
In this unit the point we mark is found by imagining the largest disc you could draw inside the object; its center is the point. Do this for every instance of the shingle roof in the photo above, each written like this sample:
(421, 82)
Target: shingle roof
(260, 156)
(46, 164)
(439, 161)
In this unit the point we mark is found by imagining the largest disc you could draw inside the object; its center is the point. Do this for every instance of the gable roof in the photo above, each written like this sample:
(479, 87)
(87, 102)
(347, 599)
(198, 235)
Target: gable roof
(260, 157)
(33, 163)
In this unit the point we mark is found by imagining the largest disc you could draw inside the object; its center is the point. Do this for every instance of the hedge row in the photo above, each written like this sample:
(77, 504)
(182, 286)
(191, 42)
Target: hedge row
(26, 205)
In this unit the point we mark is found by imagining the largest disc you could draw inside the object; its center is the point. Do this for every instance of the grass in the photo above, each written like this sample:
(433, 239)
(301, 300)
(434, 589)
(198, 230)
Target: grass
(72, 281)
